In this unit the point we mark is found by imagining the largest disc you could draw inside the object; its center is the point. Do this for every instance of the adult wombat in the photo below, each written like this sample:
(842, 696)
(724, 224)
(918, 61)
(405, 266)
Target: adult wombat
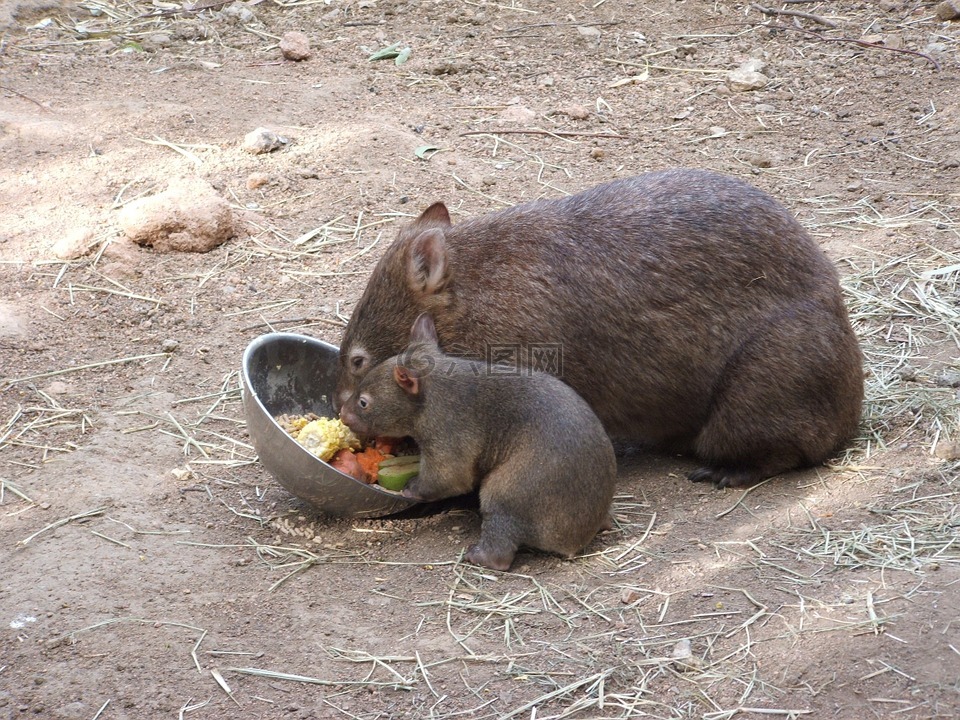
(690, 310)
(543, 463)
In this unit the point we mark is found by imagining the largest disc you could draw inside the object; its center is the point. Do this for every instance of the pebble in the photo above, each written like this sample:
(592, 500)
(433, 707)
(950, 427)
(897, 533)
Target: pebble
(628, 596)
(746, 80)
(517, 114)
(949, 379)
(948, 10)
(295, 45)
(238, 13)
(682, 656)
(577, 112)
(169, 345)
(761, 160)
(261, 140)
(597, 153)
(257, 180)
(158, 40)
(948, 450)
(590, 35)
(57, 387)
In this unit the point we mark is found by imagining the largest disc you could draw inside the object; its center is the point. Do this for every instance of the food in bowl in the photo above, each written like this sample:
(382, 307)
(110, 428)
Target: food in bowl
(335, 443)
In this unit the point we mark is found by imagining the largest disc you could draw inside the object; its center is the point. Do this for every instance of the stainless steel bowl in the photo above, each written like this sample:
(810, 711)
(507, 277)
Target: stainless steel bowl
(284, 373)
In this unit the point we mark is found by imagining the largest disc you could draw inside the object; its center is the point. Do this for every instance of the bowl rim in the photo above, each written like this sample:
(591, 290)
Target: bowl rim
(274, 337)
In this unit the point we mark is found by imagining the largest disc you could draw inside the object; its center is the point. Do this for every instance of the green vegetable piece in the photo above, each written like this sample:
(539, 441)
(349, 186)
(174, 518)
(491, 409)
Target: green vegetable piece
(396, 478)
(399, 460)
(402, 56)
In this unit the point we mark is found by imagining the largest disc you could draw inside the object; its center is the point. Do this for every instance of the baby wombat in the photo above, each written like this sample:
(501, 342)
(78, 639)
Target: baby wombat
(540, 457)
(690, 310)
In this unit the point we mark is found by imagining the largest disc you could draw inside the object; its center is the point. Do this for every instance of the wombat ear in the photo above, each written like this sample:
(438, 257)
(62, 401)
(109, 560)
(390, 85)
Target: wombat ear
(410, 384)
(436, 214)
(424, 330)
(427, 269)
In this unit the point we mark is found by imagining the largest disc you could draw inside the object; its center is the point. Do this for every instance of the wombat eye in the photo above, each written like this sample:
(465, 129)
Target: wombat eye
(362, 403)
(357, 361)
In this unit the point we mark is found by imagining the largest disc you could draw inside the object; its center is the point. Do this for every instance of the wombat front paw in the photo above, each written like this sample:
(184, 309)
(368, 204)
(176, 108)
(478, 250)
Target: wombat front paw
(723, 478)
(483, 556)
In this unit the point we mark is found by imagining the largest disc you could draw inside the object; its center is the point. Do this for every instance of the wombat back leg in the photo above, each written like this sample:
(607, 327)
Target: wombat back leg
(789, 398)
(493, 558)
(497, 545)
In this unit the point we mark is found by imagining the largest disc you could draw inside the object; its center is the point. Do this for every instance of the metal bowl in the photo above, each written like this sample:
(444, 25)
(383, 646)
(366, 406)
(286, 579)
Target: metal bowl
(284, 373)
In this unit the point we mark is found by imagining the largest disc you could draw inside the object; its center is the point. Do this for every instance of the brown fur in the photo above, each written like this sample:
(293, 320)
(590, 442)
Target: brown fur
(540, 457)
(695, 314)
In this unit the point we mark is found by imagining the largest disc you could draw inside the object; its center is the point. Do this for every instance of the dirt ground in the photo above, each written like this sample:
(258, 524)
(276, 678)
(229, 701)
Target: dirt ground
(150, 568)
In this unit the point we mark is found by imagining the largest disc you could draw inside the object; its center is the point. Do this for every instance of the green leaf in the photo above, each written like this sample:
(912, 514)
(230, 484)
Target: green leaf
(402, 56)
(387, 53)
(425, 152)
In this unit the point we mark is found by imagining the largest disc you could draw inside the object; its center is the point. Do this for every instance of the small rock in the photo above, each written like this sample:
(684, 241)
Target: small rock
(948, 450)
(749, 76)
(764, 108)
(257, 180)
(949, 378)
(741, 80)
(488, 180)
(682, 650)
(238, 13)
(75, 244)
(517, 114)
(577, 112)
(261, 140)
(189, 216)
(952, 161)
(761, 160)
(753, 65)
(546, 81)
(948, 10)
(597, 153)
(57, 387)
(158, 40)
(444, 68)
(890, 5)
(854, 186)
(628, 596)
(682, 656)
(295, 45)
(169, 345)
(590, 35)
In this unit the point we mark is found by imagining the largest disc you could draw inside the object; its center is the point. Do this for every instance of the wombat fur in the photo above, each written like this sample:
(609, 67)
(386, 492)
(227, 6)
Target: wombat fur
(540, 457)
(692, 311)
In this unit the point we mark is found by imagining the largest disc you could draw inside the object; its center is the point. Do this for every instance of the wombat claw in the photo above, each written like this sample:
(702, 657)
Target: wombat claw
(723, 479)
(479, 556)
